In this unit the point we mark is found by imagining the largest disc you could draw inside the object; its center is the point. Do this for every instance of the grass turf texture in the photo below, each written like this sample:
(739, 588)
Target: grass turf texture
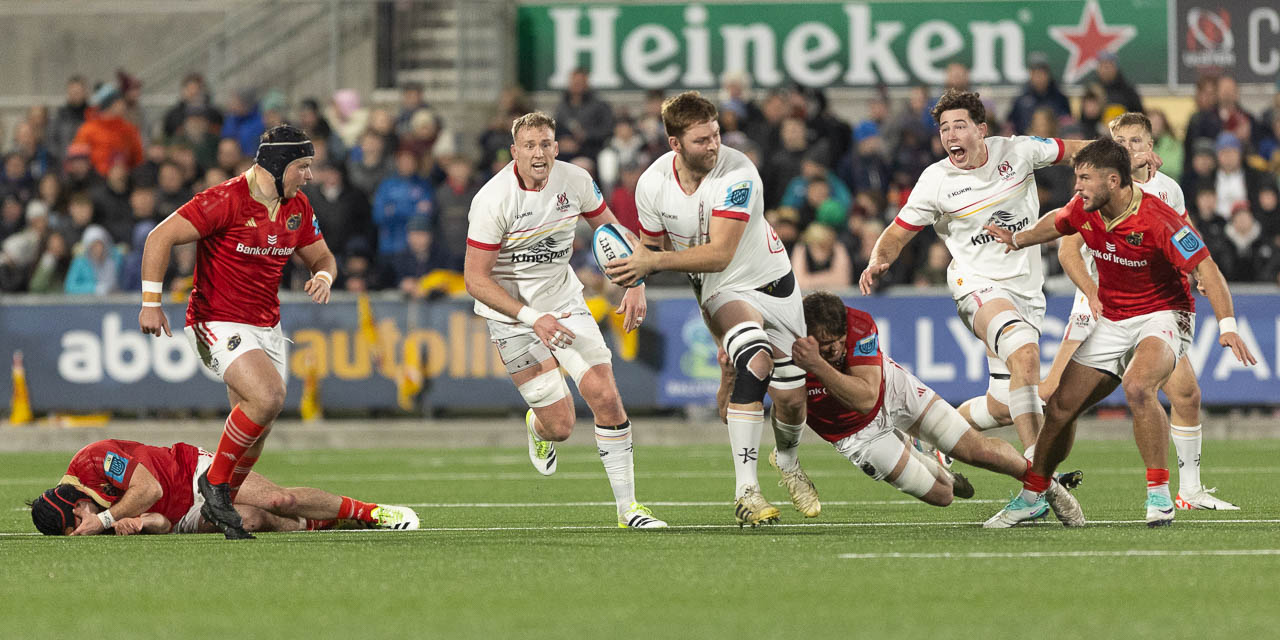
(500, 568)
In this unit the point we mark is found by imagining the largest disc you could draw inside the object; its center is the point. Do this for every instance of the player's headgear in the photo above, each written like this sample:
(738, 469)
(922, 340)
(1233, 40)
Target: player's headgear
(279, 146)
(52, 511)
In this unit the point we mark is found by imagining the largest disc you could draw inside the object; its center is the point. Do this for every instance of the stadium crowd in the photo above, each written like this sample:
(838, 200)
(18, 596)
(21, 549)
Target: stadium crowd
(82, 184)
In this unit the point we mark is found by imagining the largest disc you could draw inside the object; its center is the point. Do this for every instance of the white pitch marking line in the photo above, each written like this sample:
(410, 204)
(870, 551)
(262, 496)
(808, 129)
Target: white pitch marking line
(542, 505)
(1128, 553)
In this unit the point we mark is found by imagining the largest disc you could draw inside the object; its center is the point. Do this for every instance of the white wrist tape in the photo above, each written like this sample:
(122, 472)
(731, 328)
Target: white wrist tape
(1227, 325)
(106, 519)
(529, 315)
(1014, 241)
(150, 304)
(324, 275)
(151, 286)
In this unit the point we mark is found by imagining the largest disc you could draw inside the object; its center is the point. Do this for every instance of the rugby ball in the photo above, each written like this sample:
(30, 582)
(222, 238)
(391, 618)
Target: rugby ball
(611, 242)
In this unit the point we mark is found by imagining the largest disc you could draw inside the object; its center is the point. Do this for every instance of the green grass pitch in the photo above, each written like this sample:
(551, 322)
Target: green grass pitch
(507, 553)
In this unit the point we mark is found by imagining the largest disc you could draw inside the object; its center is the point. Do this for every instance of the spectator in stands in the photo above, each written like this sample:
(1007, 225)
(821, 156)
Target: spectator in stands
(934, 271)
(171, 189)
(14, 177)
(51, 269)
(347, 116)
(95, 268)
(814, 168)
(866, 168)
(583, 121)
(383, 123)
(649, 124)
(625, 147)
(80, 214)
(1056, 182)
(453, 205)
(822, 124)
(399, 198)
(11, 216)
(784, 163)
(1041, 92)
(49, 191)
(1202, 209)
(70, 115)
(819, 262)
(357, 273)
(312, 121)
(786, 223)
(243, 122)
(1204, 123)
(341, 209)
(230, 156)
(142, 204)
(111, 207)
(1234, 181)
(1092, 108)
(131, 270)
(37, 157)
(110, 134)
(1268, 211)
(1269, 147)
(1166, 144)
(1117, 89)
(1234, 117)
(368, 163)
(274, 105)
(622, 200)
(495, 143)
(910, 156)
(193, 95)
(406, 268)
(197, 133)
(411, 101)
(20, 251)
(1199, 172)
(1251, 249)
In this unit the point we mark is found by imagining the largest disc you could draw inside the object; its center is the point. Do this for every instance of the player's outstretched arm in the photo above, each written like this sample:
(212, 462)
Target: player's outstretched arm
(323, 267)
(173, 231)
(1044, 230)
(141, 494)
(147, 523)
(883, 254)
(1215, 287)
(723, 233)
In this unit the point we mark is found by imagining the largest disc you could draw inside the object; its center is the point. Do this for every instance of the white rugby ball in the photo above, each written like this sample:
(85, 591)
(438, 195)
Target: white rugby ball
(611, 242)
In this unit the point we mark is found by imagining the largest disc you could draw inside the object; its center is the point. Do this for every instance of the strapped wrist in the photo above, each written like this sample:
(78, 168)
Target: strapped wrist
(106, 519)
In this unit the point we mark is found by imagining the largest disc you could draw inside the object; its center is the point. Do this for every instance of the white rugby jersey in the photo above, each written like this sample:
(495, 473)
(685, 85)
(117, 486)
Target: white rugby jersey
(732, 189)
(959, 202)
(532, 231)
(1158, 185)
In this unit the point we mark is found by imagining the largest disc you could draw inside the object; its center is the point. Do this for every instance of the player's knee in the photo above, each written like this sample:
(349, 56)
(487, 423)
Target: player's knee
(268, 400)
(1137, 392)
(939, 496)
(1185, 401)
(281, 501)
(253, 520)
(748, 347)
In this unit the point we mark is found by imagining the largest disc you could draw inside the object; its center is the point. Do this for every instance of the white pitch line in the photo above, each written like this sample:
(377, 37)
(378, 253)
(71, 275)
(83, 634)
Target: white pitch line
(1128, 553)
(541, 505)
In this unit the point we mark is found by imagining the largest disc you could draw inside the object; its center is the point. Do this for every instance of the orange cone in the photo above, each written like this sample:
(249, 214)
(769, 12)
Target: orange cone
(310, 409)
(20, 403)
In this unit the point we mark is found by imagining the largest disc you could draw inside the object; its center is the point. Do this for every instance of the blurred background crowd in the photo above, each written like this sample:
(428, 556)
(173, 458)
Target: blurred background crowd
(83, 182)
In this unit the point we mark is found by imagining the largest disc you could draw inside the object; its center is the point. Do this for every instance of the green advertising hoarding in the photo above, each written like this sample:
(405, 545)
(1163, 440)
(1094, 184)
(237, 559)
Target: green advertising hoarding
(852, 44)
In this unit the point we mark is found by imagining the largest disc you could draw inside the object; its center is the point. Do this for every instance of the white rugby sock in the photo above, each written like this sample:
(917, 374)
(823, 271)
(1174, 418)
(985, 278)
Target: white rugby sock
(745, 427)
(1030, 452)
(787, 437)
(1187, 441)
(614, 446)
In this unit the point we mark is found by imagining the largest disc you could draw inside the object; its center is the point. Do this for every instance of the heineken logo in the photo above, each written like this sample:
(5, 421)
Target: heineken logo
(630, 46)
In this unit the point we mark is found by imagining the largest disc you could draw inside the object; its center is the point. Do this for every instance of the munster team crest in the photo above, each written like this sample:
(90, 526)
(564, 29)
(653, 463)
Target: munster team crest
(293, 222)
(233, 342)
(1134, 239)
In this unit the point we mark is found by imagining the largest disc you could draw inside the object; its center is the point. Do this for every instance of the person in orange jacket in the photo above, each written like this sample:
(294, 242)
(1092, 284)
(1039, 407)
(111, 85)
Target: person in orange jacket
(109, 134)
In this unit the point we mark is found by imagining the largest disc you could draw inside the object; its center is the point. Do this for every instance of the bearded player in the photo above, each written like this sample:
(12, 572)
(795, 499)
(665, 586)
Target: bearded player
(1133, 131)
(128, 487)
(705, 202)
(247, 228)
(1143, 249)
(519, 238)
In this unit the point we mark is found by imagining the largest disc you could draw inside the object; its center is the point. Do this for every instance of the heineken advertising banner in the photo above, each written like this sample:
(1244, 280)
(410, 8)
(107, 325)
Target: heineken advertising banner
(1242, 36)
(851, 44)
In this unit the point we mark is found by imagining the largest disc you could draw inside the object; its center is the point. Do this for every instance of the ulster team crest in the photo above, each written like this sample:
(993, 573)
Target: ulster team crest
(293, 222)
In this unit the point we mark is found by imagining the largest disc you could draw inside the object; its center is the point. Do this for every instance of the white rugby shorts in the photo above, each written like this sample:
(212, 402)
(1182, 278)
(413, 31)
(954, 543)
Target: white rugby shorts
(1111, 345)
(219, 344)
(190, 523)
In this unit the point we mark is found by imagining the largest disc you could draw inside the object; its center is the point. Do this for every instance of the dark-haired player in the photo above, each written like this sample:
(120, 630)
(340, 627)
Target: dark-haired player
(129, 487)
(986, 181)
(247, 228)
(1142, 249)
(866, 406)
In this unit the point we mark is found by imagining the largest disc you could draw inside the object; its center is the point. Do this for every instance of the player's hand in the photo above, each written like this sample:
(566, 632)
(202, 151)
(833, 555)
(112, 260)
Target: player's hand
(152, 320)
(318, 289)
(634, 306)
(867, 281)
(1003, 236)
(551, 332)
(726, 385)
(1238, 348)
(90, 526)
(806, 354)
(1147, 159)
(128, 526)
(1095, 305)
(626, 271)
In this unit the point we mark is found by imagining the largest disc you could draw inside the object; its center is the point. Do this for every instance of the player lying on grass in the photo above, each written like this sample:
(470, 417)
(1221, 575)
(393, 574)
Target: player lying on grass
(866, 405)
(130, 487)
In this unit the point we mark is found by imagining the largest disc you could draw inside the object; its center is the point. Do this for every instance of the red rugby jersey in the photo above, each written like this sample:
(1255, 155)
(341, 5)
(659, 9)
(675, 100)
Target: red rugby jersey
(1141, 256)
(827, 416)
(104, 469)
(242, 252)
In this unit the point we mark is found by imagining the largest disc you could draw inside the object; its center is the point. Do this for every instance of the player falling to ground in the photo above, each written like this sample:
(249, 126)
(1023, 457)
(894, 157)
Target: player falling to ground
(999, 296)
(129, 487)
(1133, 131)
(519, 239)
(247, 228)
(1142, 248)
(705, 202)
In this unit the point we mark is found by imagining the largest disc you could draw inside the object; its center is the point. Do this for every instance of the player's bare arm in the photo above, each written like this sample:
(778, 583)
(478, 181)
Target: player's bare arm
(1073, 265)
(724, 234)
(147, 523)
(1044, 230)
(143, 492)
(1215, 286)
(175, 230)
(858, 387)
(477, 274)
(883, 254)
(323, 267)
